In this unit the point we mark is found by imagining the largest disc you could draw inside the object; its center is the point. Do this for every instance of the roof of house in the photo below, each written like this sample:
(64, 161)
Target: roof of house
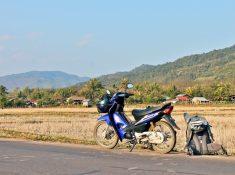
(200, 99)
(86, 100)
(181, 95)
(74, 97)
(171, 101)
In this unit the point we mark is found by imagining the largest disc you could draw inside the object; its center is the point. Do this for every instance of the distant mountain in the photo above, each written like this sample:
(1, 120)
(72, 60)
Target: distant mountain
(41, 79)
(217, 65)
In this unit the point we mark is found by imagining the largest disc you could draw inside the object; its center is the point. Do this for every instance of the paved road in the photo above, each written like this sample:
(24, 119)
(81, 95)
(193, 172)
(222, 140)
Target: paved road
(29, 158)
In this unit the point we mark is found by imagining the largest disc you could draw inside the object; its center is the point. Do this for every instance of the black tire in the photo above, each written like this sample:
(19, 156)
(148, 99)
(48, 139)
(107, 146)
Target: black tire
(112, 144)
(157, 147)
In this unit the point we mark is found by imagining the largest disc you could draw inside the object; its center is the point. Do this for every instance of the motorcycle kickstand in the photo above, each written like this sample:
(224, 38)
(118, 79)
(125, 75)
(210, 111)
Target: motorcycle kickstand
(134, 143)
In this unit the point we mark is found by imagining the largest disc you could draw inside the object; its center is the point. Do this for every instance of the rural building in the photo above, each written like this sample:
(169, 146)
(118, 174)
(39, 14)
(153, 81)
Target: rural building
(200, 100)
(87, 103)
(232, 98)
(75, 100)
(31, 103)
(170, 101)
(183, 98)
(166, 99)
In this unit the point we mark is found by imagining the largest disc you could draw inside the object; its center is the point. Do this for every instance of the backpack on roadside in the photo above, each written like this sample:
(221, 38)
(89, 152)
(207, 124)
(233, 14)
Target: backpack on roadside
(199, 138)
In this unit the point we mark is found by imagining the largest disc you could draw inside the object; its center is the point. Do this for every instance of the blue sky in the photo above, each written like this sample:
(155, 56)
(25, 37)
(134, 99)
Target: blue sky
(91, 38)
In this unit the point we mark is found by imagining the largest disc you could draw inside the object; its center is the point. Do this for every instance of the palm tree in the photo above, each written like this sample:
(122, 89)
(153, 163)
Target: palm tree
(92, 89)
(3, 98)
(3, 90)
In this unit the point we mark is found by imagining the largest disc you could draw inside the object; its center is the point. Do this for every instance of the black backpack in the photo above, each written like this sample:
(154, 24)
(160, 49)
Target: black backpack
(199, 138)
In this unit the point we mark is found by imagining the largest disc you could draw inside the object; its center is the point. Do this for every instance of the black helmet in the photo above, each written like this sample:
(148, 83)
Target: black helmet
(104, 105)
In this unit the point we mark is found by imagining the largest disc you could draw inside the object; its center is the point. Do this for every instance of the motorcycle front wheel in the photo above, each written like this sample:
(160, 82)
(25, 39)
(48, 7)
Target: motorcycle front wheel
(105, 135)
(169, 136)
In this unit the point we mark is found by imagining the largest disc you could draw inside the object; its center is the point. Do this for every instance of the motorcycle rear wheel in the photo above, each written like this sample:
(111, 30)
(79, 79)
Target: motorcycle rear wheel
(105, 135)
(170, 137)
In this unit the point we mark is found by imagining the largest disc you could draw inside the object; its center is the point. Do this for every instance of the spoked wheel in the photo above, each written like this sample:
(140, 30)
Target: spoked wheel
(168, 137)
(105, 135)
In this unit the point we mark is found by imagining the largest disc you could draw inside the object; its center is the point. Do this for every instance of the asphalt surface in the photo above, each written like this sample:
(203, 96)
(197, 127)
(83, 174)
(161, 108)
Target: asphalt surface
(29, 158)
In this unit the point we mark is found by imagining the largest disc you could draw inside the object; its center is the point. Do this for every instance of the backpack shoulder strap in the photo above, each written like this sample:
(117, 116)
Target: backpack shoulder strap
(189, 135)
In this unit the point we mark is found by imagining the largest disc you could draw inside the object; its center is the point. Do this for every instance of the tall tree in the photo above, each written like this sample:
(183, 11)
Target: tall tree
(3, 96)
(172, 91)
(123, 84)
(92, 89)
(196, 91)
(221, 91)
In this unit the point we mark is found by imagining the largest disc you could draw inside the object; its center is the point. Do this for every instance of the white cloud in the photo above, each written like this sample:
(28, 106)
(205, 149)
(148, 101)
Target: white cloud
(6, 37)
(85, 40)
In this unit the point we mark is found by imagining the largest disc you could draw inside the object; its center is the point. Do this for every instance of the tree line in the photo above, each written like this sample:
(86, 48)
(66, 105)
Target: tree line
(145, 92)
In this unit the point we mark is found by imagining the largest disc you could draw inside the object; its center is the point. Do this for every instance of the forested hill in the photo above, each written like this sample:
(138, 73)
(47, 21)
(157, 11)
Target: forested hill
(217, 65)
(40, 79)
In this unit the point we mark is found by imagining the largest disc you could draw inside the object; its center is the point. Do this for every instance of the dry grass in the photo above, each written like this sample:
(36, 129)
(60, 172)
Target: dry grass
(75, 125)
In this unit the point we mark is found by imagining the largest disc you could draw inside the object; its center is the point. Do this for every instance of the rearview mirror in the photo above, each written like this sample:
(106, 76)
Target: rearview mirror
(108, 92)
(130, 86)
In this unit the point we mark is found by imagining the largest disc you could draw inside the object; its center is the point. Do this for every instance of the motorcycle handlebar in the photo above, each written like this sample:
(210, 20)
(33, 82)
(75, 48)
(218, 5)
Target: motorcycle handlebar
(127, 95)
(130, 94)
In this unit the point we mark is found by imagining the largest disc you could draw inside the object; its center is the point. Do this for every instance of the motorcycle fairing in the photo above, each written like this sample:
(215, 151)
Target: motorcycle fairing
(120, 123)
(147, 118)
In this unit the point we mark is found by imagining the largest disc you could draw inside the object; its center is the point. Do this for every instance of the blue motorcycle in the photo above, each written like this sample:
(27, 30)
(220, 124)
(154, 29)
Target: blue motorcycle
(147, 128)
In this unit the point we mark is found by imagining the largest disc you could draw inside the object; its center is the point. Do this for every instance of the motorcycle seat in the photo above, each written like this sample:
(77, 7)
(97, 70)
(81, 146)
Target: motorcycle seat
(139, 113)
